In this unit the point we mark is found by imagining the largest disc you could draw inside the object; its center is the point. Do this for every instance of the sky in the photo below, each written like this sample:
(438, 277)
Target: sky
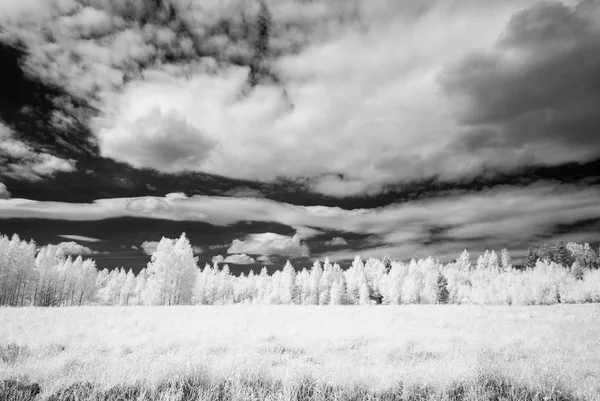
(295, 129)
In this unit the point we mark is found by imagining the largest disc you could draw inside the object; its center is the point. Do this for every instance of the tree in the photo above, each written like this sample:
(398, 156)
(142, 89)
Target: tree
(577, 270)
(288, 278)
(583, 254)
(561, 255)
(315, 281)
(443, 294)
(544, 252)
(505, 262)
(128, 289)
(530, 258)
(171, 273)
(464, 261)
(17, 273)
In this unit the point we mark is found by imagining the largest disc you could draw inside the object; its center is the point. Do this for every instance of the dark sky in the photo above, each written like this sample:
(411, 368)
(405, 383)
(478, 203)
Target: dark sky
(296, 130)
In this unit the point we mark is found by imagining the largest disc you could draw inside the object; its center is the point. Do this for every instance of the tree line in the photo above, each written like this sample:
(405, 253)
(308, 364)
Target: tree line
(47, 277)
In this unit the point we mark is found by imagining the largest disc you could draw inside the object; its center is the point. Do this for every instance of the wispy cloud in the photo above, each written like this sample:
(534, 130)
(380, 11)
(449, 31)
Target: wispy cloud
(503, 216)
(18, 160)
(79, 238)
(236, 259)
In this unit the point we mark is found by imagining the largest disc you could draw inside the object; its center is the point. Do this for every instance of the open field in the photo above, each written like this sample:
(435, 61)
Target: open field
(245, 352)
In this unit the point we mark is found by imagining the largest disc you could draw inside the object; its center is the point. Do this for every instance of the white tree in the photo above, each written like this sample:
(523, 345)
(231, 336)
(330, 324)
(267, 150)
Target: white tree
(288, 279)
(505, 260)
(171, 273)
(315, 283)
(128, 289)
(17, 273)
(464, 261)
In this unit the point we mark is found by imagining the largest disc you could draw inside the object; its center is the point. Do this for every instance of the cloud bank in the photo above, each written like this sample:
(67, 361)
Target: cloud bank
(505, 216)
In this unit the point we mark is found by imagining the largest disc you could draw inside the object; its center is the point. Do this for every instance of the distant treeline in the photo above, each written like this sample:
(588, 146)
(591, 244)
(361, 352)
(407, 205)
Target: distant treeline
(46, 277)
(586, 255)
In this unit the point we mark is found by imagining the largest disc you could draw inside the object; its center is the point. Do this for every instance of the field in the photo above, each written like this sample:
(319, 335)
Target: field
(303, 352)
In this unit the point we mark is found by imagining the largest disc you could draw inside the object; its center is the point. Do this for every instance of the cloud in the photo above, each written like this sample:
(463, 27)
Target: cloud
(4, 194)
(269, 244)
(149, 247)
(18, 160)
(218, 259)
(73, 248)
(532, 98)
(264, 260)
(190, 85)
(503, 216)
(237, 259)
(306, 232)
(197, 250)
(79, 238)
(164, 141)
(336, 241)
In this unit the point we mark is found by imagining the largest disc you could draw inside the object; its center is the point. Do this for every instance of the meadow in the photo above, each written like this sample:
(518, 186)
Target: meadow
(288, 352)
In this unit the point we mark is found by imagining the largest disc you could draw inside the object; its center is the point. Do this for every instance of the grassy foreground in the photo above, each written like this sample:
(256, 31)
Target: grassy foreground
(241, 352)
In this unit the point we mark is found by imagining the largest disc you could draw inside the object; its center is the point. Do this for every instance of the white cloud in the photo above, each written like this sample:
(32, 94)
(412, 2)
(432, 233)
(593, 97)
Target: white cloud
(149, 247)
(166, 141)
(386, 107)
(336, 241)
(505, 216)
(239, 259)
(218, 259)
(79, 238)
(306, 232)
(73, 248)
(149, 204)
(197, 250)
(4, 194)
(19, 160)
(269, 244)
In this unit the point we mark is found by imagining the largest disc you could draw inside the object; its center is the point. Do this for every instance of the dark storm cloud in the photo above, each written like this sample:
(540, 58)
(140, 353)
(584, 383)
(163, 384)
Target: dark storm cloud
(533, 99)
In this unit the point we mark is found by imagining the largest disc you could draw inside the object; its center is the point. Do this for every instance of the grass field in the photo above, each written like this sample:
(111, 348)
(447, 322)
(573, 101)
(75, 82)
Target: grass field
(302, 352)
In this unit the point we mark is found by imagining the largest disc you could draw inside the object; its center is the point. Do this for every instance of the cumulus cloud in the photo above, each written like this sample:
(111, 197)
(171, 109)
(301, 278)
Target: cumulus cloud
(190, 85)
(165, 141)
(336, 241)
(73, 248)
(149, 247)
(269, 244)
(79, 238)
(532, 98)
(197, 250)
(4, 194)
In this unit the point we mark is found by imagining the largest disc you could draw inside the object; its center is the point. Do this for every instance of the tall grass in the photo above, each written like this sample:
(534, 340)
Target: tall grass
(441, 352)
